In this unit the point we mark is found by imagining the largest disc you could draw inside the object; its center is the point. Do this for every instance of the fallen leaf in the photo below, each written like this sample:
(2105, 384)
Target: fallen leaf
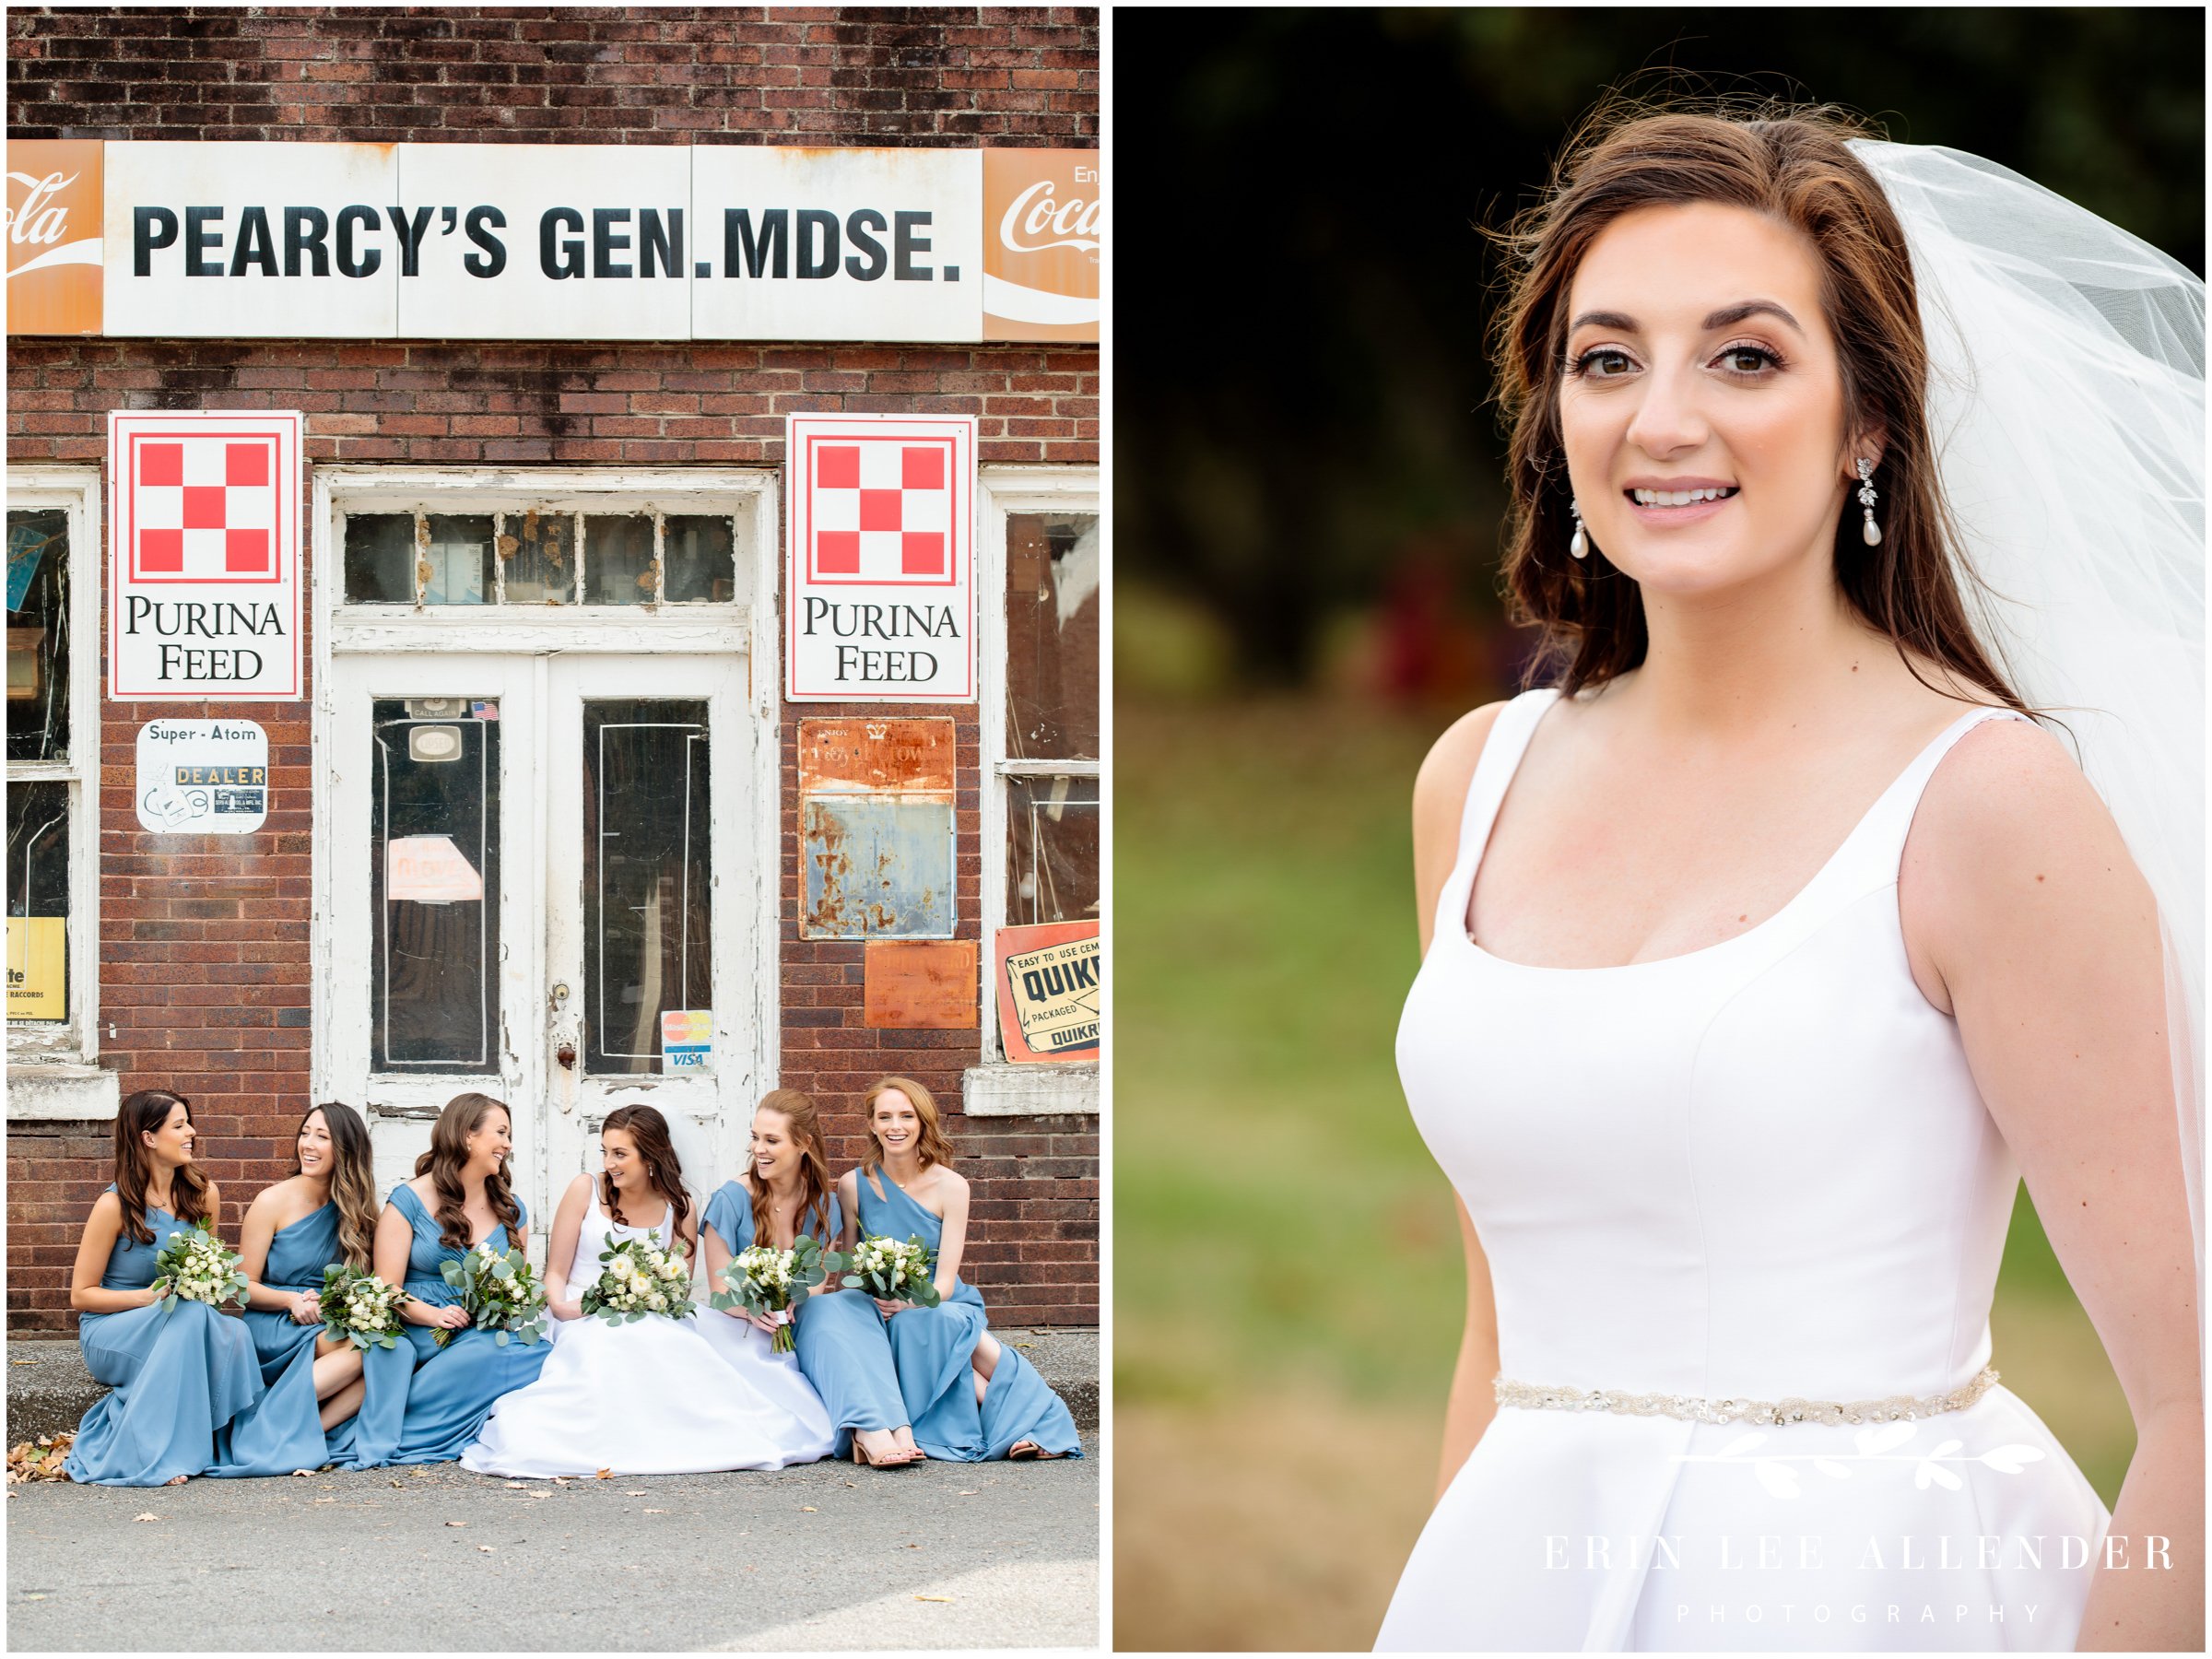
(938, 1598)
(302, 1475)
(808, 1509)
(456, 1523)
(968, 1493)
(422, 1473)
(35, 1594)
(27, 1362)
(399, 1483)
(488, 1549)
(516, 1486)
(148, 1515)
(604, 1475)
(637, 1494)
(653, 1512)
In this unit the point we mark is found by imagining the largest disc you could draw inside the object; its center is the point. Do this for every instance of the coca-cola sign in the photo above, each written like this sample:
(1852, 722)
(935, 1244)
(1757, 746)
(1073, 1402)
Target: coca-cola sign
(54, 236)
(1045, 218)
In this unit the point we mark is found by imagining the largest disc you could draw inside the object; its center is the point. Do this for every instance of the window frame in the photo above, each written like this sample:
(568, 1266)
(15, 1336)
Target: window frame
(995, 1086)
(54, 1070)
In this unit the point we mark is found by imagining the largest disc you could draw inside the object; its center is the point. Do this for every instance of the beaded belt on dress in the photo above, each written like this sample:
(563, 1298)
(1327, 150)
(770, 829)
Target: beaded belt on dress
(1697, 1408)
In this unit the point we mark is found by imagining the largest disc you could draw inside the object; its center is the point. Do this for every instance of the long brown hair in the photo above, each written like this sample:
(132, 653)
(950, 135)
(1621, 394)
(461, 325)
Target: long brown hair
(649, 1130)
(463, 1116)
(806, 1120)
(144, 1114)
(352, 1178)
(1792, 165)
(932, 1148)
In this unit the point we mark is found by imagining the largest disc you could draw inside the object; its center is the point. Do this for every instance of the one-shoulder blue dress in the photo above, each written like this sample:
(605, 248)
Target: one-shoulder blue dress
(841, 1347)
(179, 1379)
(453, 1387)
(298, 1255)
(932, 1349)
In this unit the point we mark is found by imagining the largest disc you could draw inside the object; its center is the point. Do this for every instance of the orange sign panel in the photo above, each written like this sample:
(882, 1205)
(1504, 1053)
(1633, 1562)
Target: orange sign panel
(54, 236)
(1043, 233)
(913, 755)
(920, 984)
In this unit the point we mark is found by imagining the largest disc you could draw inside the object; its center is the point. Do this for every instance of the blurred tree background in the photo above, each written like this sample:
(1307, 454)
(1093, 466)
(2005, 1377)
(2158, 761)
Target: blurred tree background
(1308, 471)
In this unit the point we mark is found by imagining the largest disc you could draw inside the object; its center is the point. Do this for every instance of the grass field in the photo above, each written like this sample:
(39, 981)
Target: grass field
(1275, 1443)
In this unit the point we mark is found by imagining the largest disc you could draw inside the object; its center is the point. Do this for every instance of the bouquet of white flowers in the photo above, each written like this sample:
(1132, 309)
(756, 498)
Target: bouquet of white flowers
(500, 1292)
(895, 1272)
(769, 1281)
(194, 1266)
(360, 1308)
(636, 1278)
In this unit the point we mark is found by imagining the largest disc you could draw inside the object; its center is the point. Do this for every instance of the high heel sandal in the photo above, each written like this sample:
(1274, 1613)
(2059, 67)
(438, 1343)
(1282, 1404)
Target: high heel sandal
(860, 1456)
(1029, 1452)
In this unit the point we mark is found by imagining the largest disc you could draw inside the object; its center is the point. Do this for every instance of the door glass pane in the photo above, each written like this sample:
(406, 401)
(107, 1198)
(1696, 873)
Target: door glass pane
(38, 636)
(1053, 636)
(1052, 850)
(617, 560)
(701, 554)
(539, 551)
(38, 901)
(647, 875)
(434, 885)
(380, 559)
(457, 560)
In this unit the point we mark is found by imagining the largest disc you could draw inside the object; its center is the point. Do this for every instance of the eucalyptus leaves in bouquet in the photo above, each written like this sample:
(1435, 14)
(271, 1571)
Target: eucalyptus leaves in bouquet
(638, 1280)
(192, 1265)
(892, 1271)
(360, 1308)
(501, 1293)
(773, 1282)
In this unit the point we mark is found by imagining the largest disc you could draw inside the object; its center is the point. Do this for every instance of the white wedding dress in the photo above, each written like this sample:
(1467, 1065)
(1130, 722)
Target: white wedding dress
(652, 1396)
(1754, 1171)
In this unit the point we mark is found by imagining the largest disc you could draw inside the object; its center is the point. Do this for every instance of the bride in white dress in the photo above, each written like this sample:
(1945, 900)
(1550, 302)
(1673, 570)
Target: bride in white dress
(651, 1396)
(1769, 946)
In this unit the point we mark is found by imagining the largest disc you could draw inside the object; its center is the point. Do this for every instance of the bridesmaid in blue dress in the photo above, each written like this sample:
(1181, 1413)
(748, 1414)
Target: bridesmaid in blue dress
(459, 1199)
(179, 1377)
(970, 1396)
(323, 1215)
(841, 1347)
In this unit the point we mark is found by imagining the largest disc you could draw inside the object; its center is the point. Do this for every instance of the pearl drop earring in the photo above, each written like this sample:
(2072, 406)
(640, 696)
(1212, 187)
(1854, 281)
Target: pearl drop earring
(1579, 544)
(1870, 531)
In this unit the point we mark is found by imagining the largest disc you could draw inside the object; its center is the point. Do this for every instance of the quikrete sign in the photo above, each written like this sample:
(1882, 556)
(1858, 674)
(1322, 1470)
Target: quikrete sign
(559, 242)
(204, 556)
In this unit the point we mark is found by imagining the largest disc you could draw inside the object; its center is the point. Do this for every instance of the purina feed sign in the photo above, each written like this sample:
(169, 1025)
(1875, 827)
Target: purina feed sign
(880, 596)
(204, 556)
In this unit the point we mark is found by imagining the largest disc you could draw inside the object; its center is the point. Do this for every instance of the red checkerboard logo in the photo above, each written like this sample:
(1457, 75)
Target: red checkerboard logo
(882, 510)
(204, 509)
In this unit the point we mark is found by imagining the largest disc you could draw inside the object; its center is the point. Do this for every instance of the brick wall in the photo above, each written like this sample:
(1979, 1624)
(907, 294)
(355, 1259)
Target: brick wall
(204, 942)
(922, 75)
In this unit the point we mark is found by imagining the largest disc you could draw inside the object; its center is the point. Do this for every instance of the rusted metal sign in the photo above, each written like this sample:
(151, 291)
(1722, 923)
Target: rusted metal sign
(875, 830)
(859, 756)
(920, 985)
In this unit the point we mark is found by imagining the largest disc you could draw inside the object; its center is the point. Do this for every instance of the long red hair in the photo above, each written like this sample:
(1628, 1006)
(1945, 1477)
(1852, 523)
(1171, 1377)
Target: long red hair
(932, 1147)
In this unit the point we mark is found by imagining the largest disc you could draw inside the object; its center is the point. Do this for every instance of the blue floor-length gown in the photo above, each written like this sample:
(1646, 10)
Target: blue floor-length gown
(298, 1255)
(841, 1347)
(179, 1379)
(453, 1387)
(932, 1349)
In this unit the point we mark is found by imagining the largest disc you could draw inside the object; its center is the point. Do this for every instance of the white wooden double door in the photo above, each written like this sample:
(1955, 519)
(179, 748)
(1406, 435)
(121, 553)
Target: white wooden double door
(533, 859)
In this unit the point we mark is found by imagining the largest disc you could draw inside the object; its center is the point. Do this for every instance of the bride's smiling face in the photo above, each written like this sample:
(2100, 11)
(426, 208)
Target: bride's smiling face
(1699, 359)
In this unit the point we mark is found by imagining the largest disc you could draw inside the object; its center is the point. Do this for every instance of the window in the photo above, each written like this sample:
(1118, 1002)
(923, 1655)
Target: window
(540, 555)
(1040, 556)
(53, 793)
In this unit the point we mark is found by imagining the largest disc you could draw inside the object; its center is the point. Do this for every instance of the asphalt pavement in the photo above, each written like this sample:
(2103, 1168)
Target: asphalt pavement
(825, 1556)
